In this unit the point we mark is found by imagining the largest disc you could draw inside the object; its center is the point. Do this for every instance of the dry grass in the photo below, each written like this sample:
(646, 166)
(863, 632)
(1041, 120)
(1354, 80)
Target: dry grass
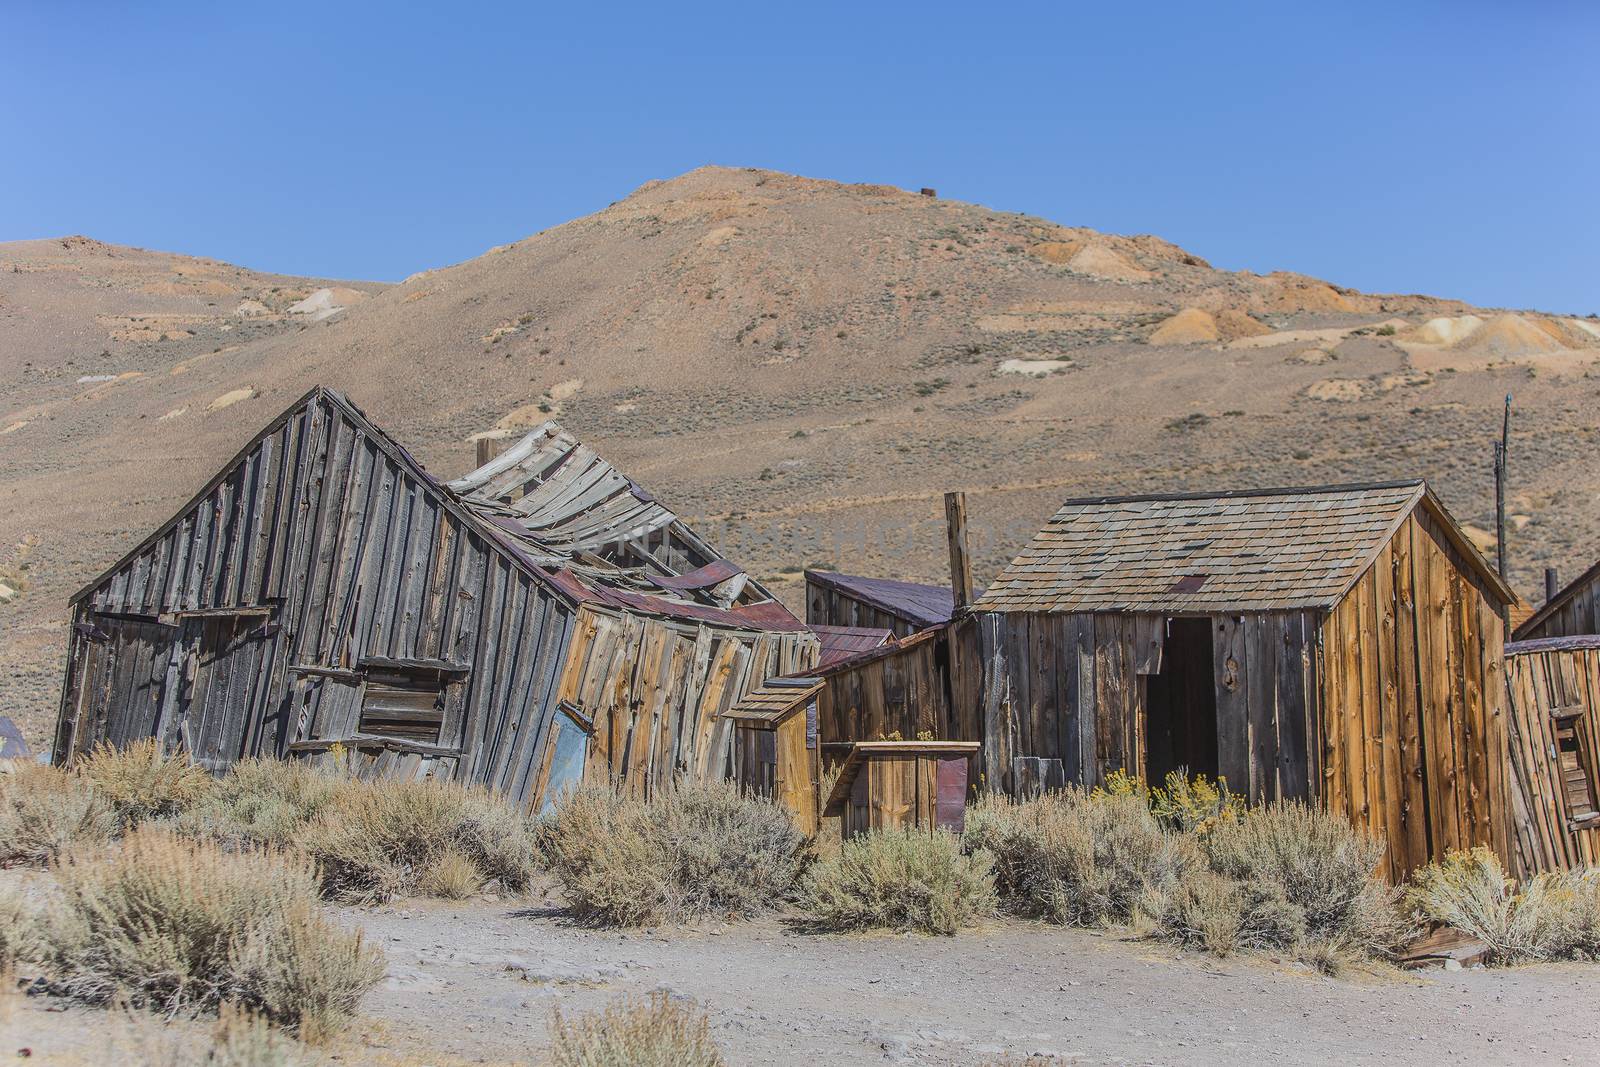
(699, 851)
(376, 840)
(1078, 858)
(1307, 876)
(261, 802)
(656, 1033)
(903, 879)
(45, 812)
(239, 1038)
(141, 782)
(1554, 916)
(178, 926)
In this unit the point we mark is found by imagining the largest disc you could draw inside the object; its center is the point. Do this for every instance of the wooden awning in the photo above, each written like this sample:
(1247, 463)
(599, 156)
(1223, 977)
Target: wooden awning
(774, 700)
(861, 751)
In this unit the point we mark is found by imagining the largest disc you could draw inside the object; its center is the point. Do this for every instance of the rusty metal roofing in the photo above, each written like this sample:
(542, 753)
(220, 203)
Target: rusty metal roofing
(575, 515)
(1255, 550)
(921, 605)
(840, 643)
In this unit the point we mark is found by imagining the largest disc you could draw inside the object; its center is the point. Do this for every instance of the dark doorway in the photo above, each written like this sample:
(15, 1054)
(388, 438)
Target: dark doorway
(1182, 704)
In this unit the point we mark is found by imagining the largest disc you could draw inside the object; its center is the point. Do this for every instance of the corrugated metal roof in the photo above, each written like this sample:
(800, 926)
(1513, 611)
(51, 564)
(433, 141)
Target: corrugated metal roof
(923, 605)
(840, 643)
(1256, 550)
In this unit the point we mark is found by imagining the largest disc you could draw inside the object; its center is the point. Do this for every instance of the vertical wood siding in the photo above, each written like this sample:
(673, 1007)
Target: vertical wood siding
(1538, 683)
(1578, 616)
(1414, 742)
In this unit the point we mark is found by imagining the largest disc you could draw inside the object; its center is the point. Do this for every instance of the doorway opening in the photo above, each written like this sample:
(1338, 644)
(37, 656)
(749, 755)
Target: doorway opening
(1181, 704)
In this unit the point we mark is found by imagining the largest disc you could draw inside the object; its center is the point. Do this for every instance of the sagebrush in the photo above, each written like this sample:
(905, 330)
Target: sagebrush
(180, 926)
(1554, 916)
(701, 850)
(142, 782)
(44, 812)
(903, 879)
(658, 1032)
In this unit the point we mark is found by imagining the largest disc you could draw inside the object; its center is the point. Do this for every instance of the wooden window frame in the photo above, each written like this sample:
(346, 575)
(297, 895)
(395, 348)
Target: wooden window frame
(1567, 723)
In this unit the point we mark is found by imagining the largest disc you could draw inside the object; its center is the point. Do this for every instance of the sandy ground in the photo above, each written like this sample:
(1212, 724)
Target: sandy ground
(478, 982)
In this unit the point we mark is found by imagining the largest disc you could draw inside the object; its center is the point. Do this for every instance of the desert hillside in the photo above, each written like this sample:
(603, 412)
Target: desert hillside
(799, 366)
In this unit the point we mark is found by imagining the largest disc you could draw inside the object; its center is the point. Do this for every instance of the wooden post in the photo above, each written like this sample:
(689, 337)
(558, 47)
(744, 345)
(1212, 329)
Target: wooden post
(955, 518)
(485, 451)
(1552, 584)
(1500, 490)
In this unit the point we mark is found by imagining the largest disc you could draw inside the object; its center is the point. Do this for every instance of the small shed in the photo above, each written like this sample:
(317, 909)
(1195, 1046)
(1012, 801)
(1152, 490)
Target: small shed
(885, 784)
(1573, 612)
(775, 745)
(1553, 687)
(834, 599)
(1337, 644)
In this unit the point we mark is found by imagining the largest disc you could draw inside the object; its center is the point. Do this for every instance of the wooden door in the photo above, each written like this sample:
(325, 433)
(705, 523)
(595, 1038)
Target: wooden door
(228, 689)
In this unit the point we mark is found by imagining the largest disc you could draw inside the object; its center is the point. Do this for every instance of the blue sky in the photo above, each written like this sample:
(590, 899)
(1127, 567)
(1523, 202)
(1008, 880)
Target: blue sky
(1449, 148)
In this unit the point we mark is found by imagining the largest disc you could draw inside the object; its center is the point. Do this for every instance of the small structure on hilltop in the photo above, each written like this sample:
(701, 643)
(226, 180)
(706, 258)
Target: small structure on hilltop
(1553, 686)
(1338, 644)
(834, 599)
(539, 620)
(1573, 611)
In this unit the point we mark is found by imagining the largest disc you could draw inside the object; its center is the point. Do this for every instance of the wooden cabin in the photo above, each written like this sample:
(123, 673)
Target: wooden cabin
(775, 739)
(1553, 693)
(1341, 645)
(540, 620)
(888, 784)
(1574, 611)
(903, 608)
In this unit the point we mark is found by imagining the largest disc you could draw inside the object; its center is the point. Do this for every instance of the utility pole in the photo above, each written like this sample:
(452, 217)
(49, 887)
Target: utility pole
(1500, 448)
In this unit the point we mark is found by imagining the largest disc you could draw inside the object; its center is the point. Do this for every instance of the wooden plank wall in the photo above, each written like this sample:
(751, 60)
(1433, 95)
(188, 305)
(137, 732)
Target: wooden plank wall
(1071, 687)
(654, 689)
(1537, 684)
(905, 692)
(1579, 616)
(354, 556)
(827, 606)
(1414, 737)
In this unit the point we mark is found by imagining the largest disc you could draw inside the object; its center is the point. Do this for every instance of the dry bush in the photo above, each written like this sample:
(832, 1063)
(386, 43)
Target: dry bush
(701, 850)
(1078, 858)
(44, 812)
(239, 1038)
(179, 926)
(375, 840)
(141, 782)
(1554, 916)
(656, 1033)
(261, 802)
(1307, 875)
(903, 879)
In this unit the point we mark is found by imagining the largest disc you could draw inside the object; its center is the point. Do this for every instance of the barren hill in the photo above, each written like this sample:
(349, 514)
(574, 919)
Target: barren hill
(800, 366)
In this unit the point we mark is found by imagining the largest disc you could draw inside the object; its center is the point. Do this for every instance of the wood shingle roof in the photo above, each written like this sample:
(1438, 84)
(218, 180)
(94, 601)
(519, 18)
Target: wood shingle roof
(1254, 550)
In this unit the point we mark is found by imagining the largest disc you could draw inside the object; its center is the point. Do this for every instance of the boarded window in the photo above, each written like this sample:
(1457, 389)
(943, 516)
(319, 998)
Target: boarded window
(1574, 766)
(404, 705)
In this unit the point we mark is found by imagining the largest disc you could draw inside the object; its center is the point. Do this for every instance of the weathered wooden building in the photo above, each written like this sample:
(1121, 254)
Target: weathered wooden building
(853, 600)
(539, 619)
(1340, 644)
(888, 784)
(1574, 611)
(1553, 690)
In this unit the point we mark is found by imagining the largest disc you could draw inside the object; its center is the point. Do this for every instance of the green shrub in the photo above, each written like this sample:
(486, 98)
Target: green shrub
(376, 840)
(1315, 873)
(141, 782)
(261, 802)
(1554, 916)
(1078, 858)
(701, 850)
(626, 1033)
(44, 812)
(903, 879)
(176, 925)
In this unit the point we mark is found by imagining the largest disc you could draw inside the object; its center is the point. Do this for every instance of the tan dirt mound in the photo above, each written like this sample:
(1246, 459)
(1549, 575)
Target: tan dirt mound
(1512, 335)
(1098, 261)
(1191, 326)
(1444, 330)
